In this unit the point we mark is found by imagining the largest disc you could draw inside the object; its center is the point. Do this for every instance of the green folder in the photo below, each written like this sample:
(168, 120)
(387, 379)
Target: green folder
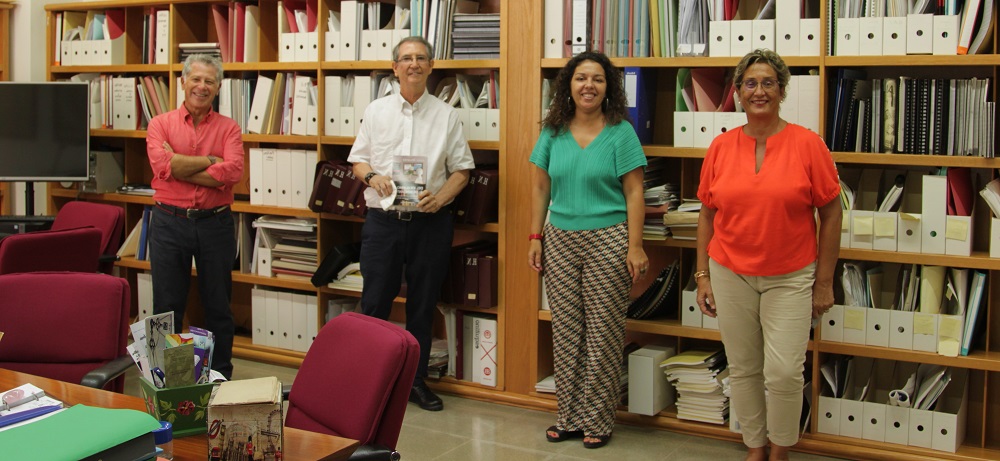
(81, 432)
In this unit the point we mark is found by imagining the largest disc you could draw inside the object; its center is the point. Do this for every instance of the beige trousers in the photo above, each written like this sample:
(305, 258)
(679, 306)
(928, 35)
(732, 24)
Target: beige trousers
(764, 322)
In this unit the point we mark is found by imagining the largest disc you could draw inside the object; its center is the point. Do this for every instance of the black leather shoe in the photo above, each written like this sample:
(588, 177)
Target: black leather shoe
(421, 395)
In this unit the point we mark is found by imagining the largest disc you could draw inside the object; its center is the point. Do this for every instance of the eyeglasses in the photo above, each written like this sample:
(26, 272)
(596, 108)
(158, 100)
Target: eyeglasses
(767, 84)
(419, 59)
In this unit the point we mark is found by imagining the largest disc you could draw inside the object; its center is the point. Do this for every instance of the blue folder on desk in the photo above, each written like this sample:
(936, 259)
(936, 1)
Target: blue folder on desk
(84, 433)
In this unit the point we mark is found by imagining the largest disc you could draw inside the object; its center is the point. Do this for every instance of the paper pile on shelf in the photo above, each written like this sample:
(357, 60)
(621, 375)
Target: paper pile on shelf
(702, 382)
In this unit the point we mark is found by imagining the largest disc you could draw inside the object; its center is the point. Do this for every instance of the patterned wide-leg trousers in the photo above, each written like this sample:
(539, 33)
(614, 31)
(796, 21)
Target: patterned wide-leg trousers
(587, 282)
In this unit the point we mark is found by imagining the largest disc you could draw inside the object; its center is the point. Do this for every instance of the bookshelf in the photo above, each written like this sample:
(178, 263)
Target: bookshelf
(982, 440)
(6, 189)
(192, 21)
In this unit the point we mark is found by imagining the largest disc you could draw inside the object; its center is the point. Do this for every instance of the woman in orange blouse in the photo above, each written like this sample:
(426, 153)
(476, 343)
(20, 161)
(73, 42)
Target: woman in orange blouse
(761, 267)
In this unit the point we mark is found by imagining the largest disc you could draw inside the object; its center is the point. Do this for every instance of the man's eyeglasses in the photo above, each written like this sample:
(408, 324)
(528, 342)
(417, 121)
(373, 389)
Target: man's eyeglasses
(767, 84)
(421, 59)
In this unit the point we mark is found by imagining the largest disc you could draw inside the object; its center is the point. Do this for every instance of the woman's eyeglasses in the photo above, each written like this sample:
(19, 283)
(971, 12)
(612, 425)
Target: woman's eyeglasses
(751, 85)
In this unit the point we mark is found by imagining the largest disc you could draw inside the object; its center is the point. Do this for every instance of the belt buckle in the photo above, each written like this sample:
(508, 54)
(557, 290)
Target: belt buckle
(404, 215)
(189, 213)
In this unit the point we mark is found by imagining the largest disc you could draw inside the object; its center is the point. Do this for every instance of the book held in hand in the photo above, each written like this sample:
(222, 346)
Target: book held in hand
(410, 177)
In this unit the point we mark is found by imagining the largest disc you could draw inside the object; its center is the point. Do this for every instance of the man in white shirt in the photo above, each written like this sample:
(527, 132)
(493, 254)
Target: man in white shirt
(410, 146)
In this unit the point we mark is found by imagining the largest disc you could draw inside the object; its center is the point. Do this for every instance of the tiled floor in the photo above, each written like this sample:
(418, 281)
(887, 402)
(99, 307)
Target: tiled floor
(480, 431)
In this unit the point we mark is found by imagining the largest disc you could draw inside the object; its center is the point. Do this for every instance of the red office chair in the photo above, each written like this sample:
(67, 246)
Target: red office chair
(73, 250)
(109, 219)
(66, 326)
(354, 382)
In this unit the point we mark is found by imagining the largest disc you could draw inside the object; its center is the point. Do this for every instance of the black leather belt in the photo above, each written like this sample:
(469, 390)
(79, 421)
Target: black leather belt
(406, 215)
(191, 213)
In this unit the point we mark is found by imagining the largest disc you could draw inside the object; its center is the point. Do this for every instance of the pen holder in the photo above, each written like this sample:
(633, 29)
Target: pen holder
(184, 407)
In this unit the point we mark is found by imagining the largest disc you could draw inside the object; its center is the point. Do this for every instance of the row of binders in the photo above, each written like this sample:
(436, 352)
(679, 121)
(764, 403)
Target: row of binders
(919, 405)
(282, 177)
(472, 275)
(283, 319)
(911, 307)
(909, 211)
(236, 30)
(875, 28)
(125, 102)
(706, 110)
(285, 105)
(911, 115)
(668, 28)
(91, 38)
(473, 346)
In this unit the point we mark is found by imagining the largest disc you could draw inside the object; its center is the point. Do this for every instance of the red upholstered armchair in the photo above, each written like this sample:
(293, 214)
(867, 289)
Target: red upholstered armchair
(73, 250)
(65, 325)
(108, 219)
(354, 382)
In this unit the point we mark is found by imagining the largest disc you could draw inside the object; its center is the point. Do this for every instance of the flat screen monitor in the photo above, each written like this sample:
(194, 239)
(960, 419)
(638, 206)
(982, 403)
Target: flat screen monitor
(44, 131)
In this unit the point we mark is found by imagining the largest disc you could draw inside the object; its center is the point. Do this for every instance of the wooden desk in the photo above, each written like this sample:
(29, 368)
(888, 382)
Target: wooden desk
(299, 444)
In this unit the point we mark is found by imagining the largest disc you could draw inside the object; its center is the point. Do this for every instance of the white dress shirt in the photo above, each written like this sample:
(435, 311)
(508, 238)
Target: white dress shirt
(428, 128)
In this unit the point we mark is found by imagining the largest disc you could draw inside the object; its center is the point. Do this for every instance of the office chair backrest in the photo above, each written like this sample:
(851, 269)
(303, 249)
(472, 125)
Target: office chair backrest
(355, 380)
(109, 219)
(62, 325)
(73, 250)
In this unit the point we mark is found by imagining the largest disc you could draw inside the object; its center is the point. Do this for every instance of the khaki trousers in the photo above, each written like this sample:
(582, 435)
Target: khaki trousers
(764, 322)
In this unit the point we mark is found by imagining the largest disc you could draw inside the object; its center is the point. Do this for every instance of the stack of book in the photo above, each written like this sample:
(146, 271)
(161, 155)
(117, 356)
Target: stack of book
(681, 225)
(476, 36)
(701, 378)
(349, 278)
(437, 364)
(291, 243)
(209, 48)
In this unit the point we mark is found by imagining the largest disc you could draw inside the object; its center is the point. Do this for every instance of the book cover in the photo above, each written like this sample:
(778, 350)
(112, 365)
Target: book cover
(410, 177)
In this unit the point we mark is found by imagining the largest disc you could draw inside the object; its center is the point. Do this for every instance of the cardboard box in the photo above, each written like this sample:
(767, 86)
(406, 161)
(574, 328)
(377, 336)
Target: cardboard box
(184, 407)
(245, 417)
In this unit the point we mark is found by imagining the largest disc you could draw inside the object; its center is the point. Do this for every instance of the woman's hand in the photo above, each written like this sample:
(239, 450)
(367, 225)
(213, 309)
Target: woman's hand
(706, 298)
(822, 298)
(637, 262)
(535, 254)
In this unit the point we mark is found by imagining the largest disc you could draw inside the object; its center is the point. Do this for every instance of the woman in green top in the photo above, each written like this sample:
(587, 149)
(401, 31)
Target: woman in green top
(588, 178)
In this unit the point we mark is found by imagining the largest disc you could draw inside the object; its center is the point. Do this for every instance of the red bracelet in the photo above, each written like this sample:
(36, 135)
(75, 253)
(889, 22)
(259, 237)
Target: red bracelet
(535, 237)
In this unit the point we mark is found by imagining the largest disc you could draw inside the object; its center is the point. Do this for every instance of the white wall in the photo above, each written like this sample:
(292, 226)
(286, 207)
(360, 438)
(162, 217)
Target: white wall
(27, 64)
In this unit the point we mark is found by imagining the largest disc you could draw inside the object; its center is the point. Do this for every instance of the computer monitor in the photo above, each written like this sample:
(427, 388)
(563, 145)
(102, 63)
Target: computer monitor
(44, 131)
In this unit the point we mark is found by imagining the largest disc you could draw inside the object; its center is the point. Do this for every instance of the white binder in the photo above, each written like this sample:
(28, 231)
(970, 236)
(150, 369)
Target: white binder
(260, 104)
(933, 211)
(162, 53)
(269, 176)
(553, 46)
(788, 16)
(300, 104)
(331, 105)
(300, 322)
(258, 315)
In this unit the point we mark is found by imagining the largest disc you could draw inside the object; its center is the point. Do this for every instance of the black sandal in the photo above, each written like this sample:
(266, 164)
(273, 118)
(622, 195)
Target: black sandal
(561, 434)
(602, 440)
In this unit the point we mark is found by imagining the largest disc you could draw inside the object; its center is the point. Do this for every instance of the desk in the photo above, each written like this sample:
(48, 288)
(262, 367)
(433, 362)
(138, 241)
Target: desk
(299, 445)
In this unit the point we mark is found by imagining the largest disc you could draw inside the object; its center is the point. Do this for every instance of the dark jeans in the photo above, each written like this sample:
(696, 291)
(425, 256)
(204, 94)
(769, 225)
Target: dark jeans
(173, 242)
(418, 249)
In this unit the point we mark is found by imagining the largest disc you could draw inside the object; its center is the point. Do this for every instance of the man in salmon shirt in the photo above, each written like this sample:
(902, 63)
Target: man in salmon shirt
(197, 156)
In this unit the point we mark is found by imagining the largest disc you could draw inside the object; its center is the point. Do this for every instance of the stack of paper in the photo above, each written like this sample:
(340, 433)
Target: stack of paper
(682, 225)
(701, 379)
(546, 385)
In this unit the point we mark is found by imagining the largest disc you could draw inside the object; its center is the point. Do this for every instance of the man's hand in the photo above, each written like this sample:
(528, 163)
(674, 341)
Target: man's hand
(429, 202)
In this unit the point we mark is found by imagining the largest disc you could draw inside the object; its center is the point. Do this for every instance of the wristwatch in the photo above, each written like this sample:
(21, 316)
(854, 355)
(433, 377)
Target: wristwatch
(369, 176)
